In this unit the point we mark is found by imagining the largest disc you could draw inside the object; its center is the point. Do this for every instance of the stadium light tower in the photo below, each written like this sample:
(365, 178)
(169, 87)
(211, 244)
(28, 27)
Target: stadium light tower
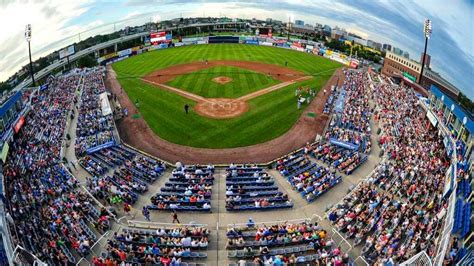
(427, 30)
(28, 39)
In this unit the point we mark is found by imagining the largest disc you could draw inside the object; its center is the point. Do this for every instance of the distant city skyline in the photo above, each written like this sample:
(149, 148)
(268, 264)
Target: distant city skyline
(57, 24)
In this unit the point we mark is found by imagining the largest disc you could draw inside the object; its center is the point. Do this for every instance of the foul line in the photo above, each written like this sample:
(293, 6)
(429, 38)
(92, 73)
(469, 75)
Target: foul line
(183, 93)
(244, 98)
(270, 89)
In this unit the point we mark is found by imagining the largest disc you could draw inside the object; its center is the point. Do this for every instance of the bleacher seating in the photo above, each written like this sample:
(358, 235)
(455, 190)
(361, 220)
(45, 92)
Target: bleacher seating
(244, 185)
(278, 243)
(94, 127)
(53, 217)
(160, 246)
(189, 189)
(306, 177)
(120, 174)
(350, 125)
(344, 160)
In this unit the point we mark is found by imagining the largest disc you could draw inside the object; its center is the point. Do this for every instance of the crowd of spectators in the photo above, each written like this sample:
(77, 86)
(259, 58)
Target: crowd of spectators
(393, 230)
(416, 158)
(352, 123)
(188, 189)
(53, 219)
(131, 173)
(163, 246)
(94, 127)
(344, 160)
(308, 178)
(283, 243)
(251, 188)
(403, 216)
(328, 106)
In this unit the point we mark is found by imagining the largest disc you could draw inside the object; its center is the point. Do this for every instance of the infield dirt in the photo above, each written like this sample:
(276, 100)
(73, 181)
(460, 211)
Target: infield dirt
(137, 133)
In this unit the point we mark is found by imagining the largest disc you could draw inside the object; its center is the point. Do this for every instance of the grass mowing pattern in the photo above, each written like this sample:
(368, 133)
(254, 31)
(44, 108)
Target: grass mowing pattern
(270, 115)
(243, 82)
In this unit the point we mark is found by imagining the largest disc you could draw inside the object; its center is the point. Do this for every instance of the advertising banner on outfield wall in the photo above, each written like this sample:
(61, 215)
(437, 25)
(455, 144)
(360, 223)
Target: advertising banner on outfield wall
(105, 57)
(301, 49)
(266, 43)
(124, 52)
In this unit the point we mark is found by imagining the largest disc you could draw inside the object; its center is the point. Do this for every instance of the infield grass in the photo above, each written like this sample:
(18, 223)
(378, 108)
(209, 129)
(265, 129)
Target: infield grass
(269, 115)
(243, 82)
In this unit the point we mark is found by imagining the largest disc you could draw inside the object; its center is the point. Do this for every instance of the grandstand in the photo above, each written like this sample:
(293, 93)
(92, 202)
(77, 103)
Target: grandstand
(388, 182)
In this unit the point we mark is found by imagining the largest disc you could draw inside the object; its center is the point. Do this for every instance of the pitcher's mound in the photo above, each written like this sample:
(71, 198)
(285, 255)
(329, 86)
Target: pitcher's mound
(222, 80)
(220, 108)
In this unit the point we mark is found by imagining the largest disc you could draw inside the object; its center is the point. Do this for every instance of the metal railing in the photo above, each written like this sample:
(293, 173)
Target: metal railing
(420, 259)
(361, 261)
(340, 241)
(155, 225)
(244, 225)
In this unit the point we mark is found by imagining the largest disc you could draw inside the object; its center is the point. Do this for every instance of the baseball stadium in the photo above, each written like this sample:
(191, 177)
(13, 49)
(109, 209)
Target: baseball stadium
(233, 141)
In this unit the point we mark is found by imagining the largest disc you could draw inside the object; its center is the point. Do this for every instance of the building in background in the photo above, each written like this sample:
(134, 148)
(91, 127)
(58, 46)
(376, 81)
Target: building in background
(396, 65)
(387, 47)
(377, 46)
(408, 70)
(299, 22)
(406, 54)
(427, 60)
(327, 31)
(397, 51)
(337, 34)
(302, 29)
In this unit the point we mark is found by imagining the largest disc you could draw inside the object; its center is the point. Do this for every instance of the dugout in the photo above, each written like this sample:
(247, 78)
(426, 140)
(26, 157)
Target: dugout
(223, 39)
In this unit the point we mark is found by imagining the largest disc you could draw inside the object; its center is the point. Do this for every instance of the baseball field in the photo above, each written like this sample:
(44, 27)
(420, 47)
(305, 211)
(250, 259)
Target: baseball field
(259, 81)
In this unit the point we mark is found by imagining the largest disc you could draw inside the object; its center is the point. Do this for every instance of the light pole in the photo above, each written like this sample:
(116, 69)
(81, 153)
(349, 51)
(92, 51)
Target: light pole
(28, 39)
(427, 29)
(289, 25)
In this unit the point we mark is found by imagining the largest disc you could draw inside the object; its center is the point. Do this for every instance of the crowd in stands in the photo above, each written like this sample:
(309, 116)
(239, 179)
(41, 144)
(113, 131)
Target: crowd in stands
(405, 216)
(163, 246)
(352, 123)
(344, 160)
(328, 106)
(307, 177)
(188, 189)
(251, 188)
(393, 230)
(416, 165)
(455, 252)
(130, 174)
(53, 219)
(283, 243)
(94, 128)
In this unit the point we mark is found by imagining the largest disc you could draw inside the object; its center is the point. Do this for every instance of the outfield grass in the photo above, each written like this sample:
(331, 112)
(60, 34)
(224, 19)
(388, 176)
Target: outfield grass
(243, 82)
(269, 116)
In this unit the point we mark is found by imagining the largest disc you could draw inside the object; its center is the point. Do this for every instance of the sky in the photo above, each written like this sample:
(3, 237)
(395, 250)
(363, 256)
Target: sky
(58, 23)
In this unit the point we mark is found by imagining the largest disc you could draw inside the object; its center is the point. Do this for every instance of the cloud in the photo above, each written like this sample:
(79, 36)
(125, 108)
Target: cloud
(47, 20)
(57, 24)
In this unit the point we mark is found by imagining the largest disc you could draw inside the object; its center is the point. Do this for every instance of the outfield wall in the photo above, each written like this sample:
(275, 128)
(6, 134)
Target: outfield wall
(300, 45)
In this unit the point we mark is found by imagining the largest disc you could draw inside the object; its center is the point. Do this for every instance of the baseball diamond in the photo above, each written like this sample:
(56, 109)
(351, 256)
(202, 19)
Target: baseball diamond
(206, 141)
(264, 105)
